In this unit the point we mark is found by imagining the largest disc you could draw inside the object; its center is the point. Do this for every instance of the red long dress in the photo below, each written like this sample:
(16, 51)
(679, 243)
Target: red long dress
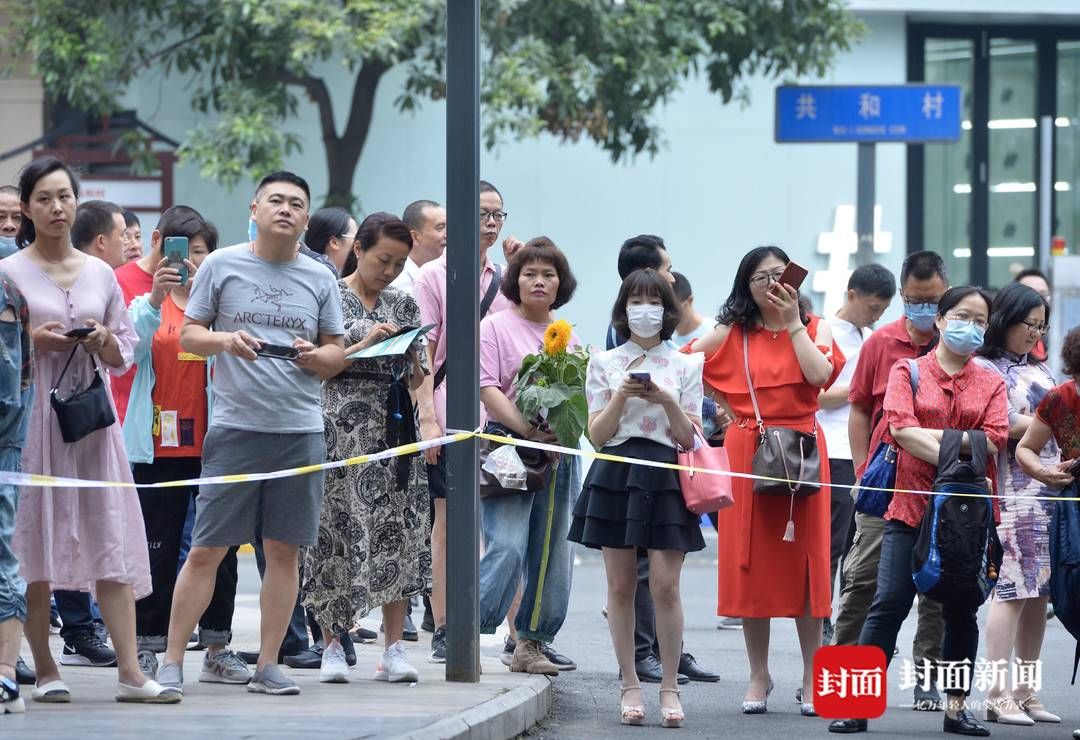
(760, 575)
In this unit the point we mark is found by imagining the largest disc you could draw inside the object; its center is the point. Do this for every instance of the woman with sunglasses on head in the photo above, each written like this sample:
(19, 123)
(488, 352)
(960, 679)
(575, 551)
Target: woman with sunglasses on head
(781, 541)
(952, 392)
(1017, 619)
(68, 538)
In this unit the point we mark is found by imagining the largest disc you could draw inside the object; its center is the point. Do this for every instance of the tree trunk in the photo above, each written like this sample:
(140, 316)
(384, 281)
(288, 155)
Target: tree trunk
(343, 153)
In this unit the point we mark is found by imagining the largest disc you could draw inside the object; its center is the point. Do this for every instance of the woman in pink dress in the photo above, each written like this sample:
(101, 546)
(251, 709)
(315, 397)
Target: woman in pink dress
(75, 539)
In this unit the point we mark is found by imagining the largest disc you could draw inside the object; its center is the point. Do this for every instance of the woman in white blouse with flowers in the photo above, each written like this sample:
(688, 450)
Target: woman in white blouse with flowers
(644, 401)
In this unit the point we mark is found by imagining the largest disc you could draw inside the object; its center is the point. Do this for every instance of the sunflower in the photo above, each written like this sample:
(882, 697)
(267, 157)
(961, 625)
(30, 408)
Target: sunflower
(557, 337)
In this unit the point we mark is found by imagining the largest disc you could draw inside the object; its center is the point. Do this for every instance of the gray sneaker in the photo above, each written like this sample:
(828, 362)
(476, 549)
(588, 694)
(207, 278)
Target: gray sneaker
(224, 667)
(148, 663)
(271, 680)
(171, 677)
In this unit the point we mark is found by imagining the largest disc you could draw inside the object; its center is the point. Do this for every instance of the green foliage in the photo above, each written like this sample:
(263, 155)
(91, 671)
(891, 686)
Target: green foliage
(553, 384)
(592, 69)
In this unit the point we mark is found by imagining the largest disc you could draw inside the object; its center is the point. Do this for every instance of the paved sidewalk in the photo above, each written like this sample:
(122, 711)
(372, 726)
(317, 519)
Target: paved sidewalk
(502, 705)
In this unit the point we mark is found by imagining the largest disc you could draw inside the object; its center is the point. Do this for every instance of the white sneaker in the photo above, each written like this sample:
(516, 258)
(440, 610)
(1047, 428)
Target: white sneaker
(334, 668)
(394, 667)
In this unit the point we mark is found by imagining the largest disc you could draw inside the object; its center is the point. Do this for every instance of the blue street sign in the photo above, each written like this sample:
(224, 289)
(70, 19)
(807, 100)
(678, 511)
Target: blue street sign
(869, 113)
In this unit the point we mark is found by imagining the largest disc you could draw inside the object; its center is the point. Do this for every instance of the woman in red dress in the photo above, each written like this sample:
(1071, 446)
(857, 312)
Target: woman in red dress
(761, 574)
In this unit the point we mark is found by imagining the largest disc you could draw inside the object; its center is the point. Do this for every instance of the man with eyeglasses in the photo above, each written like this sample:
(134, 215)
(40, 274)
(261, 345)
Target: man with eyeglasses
(923, 280)
(429, 290)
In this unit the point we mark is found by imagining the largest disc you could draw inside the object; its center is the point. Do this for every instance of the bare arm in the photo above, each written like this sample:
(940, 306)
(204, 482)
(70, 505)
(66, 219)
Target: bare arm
(603, 424)
(965, 446)
(859, 432)
(425, 406)
(1017, 430)
(326, 360)
(196, 337)
(834, 398)
(815, 366)
(918, 442)
(1027, 454)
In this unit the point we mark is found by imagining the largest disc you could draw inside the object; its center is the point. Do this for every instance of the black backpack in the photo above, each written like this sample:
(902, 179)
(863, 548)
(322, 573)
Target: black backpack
(957, 553)
(1065, 568)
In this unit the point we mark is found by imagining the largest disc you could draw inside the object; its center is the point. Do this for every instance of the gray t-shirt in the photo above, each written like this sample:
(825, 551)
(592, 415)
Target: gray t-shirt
(275, 302)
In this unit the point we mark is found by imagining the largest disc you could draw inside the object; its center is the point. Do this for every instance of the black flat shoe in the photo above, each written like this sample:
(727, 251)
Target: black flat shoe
(689, 667)
(649, 670)
(24, 674)
(310, 658)
(848, 726)
(964, 724)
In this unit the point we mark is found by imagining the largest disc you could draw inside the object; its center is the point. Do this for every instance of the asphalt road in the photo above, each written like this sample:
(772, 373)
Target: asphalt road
(586, 701)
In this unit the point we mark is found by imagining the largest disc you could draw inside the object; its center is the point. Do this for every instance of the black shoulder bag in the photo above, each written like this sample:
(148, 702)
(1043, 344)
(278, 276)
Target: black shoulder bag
(485, 305)
(84, 411)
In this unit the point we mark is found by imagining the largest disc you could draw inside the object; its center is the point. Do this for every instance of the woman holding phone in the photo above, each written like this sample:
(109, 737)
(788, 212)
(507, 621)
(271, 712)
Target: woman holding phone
(373, 549)
(644, 401)
(777, 540)
(68, 538)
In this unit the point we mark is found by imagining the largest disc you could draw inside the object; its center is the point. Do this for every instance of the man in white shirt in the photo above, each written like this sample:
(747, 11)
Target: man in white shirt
(870, 289)
(426, 220)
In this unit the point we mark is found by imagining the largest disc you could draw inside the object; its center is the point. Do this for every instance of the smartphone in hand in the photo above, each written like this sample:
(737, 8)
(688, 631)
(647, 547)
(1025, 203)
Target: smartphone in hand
(793, 275)
(277, 352)
(80, 333)
(645, 378)
(176, 251)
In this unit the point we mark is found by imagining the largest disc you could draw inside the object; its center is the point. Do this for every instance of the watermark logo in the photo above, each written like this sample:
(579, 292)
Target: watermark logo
(850, 682)
(961, 675)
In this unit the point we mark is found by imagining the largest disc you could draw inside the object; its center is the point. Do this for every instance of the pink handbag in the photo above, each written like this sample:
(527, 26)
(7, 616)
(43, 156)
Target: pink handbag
(705, 493)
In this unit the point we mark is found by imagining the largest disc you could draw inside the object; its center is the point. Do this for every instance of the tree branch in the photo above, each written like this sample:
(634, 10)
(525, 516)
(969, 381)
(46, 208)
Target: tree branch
(320, 94)
(363, 99)
(146, 61)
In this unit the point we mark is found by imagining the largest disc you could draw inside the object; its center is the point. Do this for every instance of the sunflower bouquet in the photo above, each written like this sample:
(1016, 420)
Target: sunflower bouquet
(551, 385)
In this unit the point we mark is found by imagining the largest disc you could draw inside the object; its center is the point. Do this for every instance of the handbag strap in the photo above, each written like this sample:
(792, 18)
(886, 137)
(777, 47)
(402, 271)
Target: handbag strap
(56, 385)
(749, 381)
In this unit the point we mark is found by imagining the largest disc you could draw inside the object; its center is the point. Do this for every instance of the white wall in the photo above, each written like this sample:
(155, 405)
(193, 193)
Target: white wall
(719, 187)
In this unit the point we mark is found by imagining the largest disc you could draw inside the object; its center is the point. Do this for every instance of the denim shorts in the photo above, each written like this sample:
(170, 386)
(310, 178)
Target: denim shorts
(12, 586)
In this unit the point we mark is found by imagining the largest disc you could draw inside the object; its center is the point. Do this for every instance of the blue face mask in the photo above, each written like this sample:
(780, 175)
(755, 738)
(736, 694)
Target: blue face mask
(7, 246)
(252, 231)
(921, 315)
(962, 337)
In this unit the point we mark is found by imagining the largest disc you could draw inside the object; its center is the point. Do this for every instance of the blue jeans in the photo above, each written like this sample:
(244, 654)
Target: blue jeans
(525, 538)
(78, 612)
(12, 585)
(895, 594)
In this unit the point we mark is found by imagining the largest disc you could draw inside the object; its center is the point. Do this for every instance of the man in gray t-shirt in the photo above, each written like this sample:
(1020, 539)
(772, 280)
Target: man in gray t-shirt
(266, 416)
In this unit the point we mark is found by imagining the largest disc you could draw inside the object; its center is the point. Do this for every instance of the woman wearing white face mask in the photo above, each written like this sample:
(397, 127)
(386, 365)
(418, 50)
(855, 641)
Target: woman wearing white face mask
(644, 399)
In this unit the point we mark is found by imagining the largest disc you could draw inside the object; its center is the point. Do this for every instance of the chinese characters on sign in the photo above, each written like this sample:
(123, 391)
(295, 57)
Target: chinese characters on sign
(962, 676)
(901, 113)
(849, 681)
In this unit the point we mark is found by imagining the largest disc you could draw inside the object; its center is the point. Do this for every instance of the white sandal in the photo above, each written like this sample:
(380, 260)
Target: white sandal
(53, 692)
(632, 714)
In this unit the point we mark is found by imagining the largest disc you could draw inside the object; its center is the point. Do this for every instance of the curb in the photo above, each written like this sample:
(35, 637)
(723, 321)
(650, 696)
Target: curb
(503, 717)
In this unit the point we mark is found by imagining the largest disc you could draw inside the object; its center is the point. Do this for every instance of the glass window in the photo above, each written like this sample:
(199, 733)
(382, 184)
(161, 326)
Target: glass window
(947, 180)
(1067, 146)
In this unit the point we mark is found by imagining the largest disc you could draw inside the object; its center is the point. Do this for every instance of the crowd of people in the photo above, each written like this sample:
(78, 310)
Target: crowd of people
(133, 365)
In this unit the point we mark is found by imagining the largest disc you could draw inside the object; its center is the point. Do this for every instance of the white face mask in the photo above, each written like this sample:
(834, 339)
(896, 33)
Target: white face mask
(645, 321)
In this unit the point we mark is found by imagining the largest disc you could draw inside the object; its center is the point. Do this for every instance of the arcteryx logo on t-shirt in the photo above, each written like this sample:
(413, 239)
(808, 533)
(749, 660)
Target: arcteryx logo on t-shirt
(272, 297)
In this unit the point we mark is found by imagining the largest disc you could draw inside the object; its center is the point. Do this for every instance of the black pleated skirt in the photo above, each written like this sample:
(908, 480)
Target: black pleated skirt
(633, 506)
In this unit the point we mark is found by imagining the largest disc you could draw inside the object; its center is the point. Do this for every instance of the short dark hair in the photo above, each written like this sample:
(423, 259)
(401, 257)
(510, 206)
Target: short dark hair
(380, 224)
(1070, 352)
(740, 307)
(93, 218)
(186, 221)
(639, 252)
(873, 280)
(682, 288)
(28, 179)
(646, 282)
(1011, 305)
(414, 213)
(953, 296)
(285, 176)
(1031, 272)
(487, 187)
(324, 224)
(130, 219)
(540, 249)
(923, 265)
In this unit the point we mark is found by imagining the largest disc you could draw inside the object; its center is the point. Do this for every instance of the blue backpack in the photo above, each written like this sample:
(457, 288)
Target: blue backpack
(880, 472)
(1065, 567)
(957, 552)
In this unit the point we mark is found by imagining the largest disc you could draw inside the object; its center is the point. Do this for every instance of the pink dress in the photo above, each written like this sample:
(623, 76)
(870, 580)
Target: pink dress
(74, 537)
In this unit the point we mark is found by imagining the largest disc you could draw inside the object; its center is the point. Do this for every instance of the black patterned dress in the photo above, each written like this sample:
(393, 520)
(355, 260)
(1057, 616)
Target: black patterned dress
(374, 546)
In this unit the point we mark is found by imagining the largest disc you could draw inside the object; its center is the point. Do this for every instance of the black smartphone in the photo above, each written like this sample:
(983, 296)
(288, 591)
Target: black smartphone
(176, 251)
(80, 333)
(645, 378)
(402, 330)
(1074, 469)
(278, 351)
(793, 275)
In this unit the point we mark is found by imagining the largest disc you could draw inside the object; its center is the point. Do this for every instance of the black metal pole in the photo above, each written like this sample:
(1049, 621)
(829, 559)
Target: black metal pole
(864, 204)
(463, 338)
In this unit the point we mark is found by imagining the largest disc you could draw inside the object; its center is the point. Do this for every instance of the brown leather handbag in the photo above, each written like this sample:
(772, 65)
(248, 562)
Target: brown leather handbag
(537, 465)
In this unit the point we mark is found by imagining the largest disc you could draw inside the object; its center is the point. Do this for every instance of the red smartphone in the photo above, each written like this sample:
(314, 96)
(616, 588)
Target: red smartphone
(793, 275)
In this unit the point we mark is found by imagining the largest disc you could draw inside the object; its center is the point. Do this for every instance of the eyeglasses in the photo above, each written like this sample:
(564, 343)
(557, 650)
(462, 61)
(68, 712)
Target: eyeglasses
(764, 279)
(981, 323)
(499, 216)
(918, 301)
(1035, 328)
